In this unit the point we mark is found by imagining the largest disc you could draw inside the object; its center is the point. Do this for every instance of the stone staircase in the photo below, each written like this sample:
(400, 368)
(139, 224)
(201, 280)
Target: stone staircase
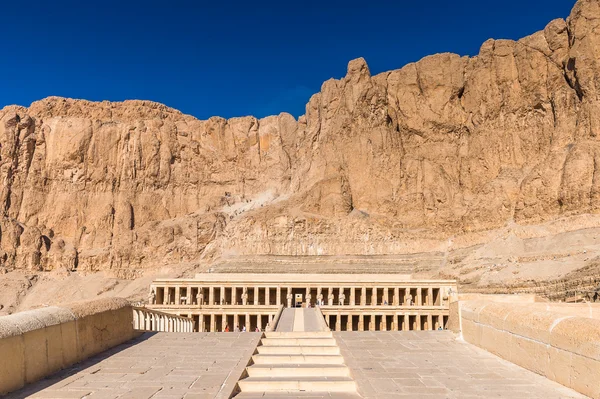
(293, 364)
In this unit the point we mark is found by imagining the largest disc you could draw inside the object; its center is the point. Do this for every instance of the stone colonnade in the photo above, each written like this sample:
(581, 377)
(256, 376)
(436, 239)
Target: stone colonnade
(219, 320)
(228, 301)
(210, 295)
(385, 321)
(149, 320)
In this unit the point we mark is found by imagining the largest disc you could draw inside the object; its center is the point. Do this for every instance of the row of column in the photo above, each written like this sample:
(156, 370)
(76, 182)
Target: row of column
(150, 321)
(423, 296)
(374, 322)
(234, 322)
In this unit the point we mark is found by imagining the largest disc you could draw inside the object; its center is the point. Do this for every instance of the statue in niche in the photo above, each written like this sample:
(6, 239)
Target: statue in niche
(151, 297)
(245, 296)
(200, 297)
(330, 297)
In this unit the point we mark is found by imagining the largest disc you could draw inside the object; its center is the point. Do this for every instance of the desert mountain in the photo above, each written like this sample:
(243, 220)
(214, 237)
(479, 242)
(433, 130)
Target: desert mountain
(449, 150)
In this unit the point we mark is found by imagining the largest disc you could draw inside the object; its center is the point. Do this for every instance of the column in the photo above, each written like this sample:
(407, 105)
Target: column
(177, 297)
(352, 299)
(429, 321)
(361, 322)
(165, 295)
(363, 296)
(233, 296)
(372, 323)
(406, 326)
(386, 297)
(255, 295)
(383, 326)
(396, 296)
(419, 300)
(259, 321)
(200, 322)
(395, 323)
(236, 321)
(349, 322)
(418, 318)
(267, 295)
(374, 297)
(211, 297)
(430, 296)
(223, 321)
(247, 321)
(338, 322)
(278, 296)
(222, 296)
(212, 323)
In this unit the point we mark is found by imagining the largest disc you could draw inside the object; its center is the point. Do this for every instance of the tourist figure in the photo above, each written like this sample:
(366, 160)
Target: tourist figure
(151, 297)
(330, 297)
(237, 329)
(342, 299)
(257, 329)
(245, 296)
(244, 329)
(226, 327)
(385, 302)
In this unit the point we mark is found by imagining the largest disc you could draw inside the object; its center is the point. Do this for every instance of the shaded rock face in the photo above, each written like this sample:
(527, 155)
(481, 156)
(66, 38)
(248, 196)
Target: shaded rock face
(386, 164)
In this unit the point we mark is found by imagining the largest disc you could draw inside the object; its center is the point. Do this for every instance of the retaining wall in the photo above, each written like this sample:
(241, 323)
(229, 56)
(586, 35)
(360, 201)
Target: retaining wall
(37, 343)
(564, 348)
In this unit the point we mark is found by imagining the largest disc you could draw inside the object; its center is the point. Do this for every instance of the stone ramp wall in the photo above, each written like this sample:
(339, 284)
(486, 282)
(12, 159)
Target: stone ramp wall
(37, 343)
(564, 348)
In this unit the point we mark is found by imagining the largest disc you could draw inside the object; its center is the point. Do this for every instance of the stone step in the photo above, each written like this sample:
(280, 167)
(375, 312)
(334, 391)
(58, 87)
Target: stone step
(298, 370)
(297, 359)
(299, 341)
(299, 334)
(306, 384)
(298, 350)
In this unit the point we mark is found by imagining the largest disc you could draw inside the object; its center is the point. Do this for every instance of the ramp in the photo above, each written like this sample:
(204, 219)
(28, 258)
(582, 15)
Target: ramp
(301, 320)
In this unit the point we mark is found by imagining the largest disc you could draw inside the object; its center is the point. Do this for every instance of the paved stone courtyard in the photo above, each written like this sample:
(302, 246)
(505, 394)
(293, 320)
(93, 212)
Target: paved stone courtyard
(433, 364)
(163, 365)
(426, 364)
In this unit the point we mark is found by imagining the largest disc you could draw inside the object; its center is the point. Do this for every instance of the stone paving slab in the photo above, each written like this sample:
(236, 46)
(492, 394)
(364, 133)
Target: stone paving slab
(434, 364)
(156, 365)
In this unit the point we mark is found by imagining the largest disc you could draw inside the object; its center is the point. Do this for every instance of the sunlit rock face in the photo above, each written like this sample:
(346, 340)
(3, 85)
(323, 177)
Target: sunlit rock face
(389, 164)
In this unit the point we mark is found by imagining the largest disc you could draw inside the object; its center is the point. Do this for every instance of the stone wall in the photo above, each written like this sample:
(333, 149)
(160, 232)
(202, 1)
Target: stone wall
(564, 348)
(40, 342)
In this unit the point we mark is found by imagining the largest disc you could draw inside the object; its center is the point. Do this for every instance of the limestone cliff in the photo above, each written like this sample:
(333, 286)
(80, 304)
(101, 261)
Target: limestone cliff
(388, 164)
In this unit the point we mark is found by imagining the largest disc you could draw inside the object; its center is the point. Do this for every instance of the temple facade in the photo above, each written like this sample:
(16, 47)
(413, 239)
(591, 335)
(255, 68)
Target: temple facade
(348, 302)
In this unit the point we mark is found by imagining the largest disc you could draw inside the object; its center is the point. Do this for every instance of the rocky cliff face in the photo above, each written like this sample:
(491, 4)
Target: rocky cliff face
(388, 164)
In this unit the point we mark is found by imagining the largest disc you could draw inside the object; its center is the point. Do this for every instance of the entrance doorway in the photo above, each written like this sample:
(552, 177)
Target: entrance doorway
(298, 294)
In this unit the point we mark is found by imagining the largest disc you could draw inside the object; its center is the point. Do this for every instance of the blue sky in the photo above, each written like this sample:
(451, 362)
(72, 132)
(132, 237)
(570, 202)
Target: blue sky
(234, 58)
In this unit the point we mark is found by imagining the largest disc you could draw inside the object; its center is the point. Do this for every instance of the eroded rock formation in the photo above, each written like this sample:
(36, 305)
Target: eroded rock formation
(385, 164)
